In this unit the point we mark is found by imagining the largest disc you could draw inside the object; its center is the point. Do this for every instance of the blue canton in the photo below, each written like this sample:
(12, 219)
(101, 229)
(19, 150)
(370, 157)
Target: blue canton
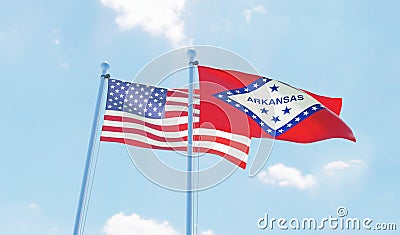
(143, 100)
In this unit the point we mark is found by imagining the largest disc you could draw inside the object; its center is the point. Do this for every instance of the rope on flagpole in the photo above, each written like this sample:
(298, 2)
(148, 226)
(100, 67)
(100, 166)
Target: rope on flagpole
(89, 155)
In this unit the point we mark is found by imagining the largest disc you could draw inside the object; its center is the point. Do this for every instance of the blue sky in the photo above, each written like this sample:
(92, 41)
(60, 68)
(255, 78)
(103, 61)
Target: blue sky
(50, 53)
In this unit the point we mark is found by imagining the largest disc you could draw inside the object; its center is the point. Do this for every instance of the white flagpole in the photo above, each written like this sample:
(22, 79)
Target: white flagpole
(189, 196)
(105, 66)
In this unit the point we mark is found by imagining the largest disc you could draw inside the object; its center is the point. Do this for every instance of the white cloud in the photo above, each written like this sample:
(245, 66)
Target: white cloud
(248, 13)
(33, 205)
(284, 176)
(65, 65)
(208, 232)
(121, 224)
(157, 17)
(332, 168)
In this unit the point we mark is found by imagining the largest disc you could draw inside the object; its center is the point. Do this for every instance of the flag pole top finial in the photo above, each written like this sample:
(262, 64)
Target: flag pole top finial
(105, 66)
(191, 53)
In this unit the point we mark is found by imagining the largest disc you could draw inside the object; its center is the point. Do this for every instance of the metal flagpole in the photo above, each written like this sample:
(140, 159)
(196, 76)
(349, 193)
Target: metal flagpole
(189, 196)
(78, 217)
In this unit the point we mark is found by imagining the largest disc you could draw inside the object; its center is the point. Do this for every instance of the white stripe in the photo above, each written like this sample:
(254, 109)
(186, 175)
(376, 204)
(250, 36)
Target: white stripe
(222, 148)
(161, 122)
(179, 108)
(166, 134)
(230, 136)
(178, 134)
(182, 100)
(184, 92)
(206, 144)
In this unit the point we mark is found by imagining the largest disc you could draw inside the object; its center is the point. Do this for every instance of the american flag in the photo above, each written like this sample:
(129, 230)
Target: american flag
(157, 118)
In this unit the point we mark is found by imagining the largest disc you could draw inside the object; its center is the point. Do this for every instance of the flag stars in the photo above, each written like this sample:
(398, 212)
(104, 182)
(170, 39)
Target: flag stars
(314, 108)
(275, 119)
(286, 110)
(297, 119)
(274, 88)
(255, 85)
(305, 113)
(263, 110)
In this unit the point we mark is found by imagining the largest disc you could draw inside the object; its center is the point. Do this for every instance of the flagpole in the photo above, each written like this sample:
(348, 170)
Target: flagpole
(189, 196)
(105, 66)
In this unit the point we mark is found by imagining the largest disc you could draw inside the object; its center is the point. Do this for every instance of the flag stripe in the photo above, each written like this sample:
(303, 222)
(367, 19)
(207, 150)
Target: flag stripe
(199, 146)
(157, 118)
(118, 126)
(129, 117)
(172, 137)
(240, 161)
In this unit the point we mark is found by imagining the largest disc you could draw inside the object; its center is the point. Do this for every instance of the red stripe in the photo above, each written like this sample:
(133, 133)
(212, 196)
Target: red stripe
(227, 142)
(183, 91)
(183, 104)
(172, 114)
(233, 144)
(143, 133)
(140, 144)
(171, 128)
(228, 157)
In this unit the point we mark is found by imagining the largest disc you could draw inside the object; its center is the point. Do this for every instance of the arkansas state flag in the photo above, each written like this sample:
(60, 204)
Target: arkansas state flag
(261, 107)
